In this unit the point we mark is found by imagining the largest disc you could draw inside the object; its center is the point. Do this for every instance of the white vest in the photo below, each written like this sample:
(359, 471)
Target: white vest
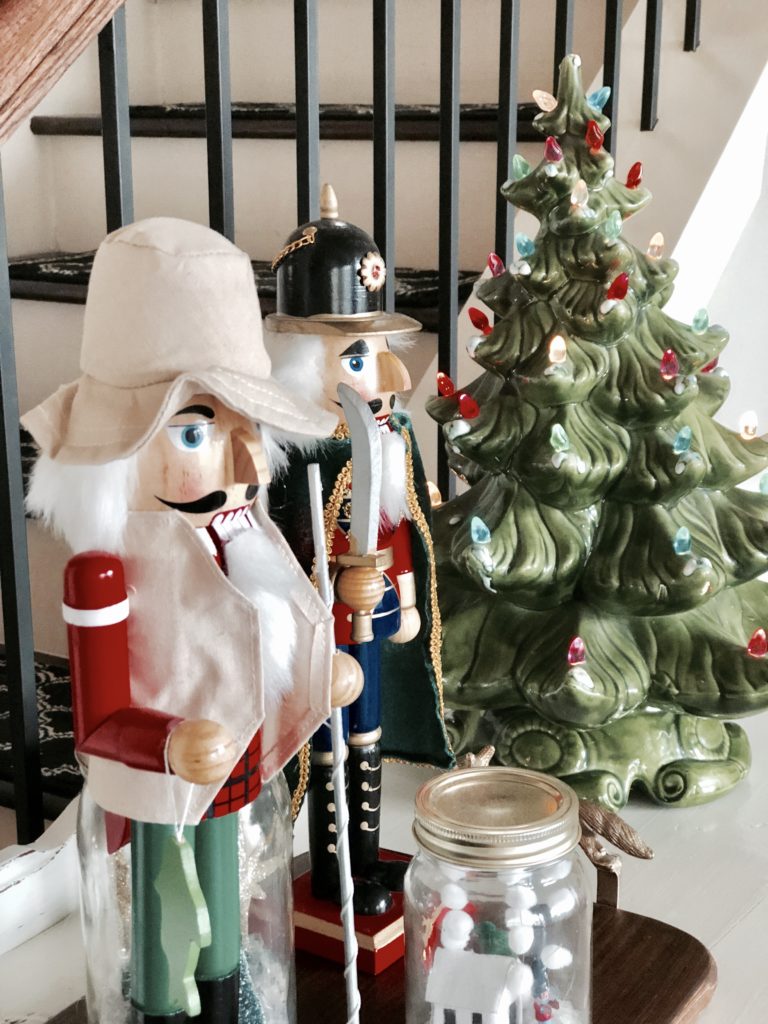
(195, 651)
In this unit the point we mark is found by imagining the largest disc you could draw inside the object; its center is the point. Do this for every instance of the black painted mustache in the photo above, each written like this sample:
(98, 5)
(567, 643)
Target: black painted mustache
(208, 503)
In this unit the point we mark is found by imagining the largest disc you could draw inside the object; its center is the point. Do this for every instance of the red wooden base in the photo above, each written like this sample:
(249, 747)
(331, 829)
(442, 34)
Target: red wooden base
(318, 927)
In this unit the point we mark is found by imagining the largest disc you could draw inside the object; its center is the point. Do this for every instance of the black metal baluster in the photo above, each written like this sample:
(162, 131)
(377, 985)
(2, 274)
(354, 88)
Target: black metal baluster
(563, 33)
(218, 116)
(509, 37)
(384, 139)
(611, 67)
(692, 25)
(115, 121)
(448, 261)
(651, 62)
(14, 573)
(307, 110)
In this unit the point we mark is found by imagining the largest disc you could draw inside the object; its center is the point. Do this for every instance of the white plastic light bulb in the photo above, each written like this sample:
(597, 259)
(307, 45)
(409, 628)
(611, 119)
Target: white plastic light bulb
(748, 425)
(558, 351)
(656, 246)
(580, 194)
(544, 100)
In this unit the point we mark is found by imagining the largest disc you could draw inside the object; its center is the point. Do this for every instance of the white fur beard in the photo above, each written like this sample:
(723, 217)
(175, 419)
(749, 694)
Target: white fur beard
(257, 571)
(394, 502)
(86, 505)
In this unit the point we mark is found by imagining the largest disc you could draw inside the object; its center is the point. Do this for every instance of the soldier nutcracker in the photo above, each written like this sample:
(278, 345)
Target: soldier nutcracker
(200, 653)
(330, 328)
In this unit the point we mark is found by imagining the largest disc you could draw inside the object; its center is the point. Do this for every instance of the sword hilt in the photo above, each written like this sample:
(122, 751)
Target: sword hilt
(362, 588)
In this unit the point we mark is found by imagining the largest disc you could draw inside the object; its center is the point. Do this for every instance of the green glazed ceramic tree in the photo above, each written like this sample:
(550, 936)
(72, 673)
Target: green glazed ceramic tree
(598, 583)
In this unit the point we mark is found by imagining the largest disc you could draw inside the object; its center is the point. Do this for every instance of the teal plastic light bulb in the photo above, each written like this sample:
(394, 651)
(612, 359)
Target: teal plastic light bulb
(682, 542)
(598, 99)
(700, 321)
(612, 227)
(764, 483)
(525, 245)
(479, 531)
(682, 441)
(520, 167)
(558, 438)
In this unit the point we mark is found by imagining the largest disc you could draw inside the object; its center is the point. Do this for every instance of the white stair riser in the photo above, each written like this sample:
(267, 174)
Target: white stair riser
(170, 178)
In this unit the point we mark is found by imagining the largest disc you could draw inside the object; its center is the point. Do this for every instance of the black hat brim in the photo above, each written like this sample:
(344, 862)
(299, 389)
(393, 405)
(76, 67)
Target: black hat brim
(328, 323)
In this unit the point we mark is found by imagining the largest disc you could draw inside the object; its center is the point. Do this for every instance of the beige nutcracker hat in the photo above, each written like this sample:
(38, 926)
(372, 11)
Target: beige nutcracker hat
(172, 311)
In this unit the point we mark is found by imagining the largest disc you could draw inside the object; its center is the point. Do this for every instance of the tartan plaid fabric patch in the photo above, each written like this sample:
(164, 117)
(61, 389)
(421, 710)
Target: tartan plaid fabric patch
(243, 785)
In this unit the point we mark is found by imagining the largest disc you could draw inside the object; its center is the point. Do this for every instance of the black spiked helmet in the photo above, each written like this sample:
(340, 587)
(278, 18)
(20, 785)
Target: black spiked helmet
(330, 279)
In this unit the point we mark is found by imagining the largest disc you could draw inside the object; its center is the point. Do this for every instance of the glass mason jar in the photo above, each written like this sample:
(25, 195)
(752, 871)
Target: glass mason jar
(497, 913)
(267, 983)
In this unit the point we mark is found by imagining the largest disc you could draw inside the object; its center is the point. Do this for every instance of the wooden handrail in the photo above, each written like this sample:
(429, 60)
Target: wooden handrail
(39, 40)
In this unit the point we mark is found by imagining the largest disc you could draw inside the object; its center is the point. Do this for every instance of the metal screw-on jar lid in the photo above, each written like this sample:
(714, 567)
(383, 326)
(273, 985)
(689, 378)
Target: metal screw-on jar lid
(497, 817)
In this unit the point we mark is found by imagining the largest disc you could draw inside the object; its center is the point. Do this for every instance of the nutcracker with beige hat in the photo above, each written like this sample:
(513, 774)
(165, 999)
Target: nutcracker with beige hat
(200, 652)
(330, 328)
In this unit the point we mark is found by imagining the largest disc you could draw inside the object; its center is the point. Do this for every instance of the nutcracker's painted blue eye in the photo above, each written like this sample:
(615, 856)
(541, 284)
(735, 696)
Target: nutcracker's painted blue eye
(193, 436)
(189, 437)
(354, 364)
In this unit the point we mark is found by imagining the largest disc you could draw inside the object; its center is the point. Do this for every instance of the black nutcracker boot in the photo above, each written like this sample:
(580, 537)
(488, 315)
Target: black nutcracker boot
(365, 814)
(219, 1000)
(370, 897)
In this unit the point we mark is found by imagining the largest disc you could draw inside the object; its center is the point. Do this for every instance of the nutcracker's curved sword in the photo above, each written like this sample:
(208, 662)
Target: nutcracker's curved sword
(366, 471)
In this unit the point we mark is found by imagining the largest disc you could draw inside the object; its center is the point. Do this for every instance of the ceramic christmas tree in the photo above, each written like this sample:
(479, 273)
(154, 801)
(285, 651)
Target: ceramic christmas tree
(598, 580)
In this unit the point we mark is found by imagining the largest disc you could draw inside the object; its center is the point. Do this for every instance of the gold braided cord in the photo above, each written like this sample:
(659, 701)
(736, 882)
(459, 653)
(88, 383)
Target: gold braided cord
(341, 433)
(420, 522)
(332, 510)
(330, 517)
(297, 798)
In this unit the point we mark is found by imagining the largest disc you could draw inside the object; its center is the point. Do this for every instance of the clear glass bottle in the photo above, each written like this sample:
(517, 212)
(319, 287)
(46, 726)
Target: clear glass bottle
(267, 971)
(497, 912)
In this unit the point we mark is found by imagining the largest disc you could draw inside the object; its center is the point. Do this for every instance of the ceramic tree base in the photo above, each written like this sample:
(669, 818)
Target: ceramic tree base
(676, 758)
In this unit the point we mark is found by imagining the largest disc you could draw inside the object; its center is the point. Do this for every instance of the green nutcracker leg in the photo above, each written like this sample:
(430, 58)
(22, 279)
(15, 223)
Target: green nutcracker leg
(150, 982)
(218, 969)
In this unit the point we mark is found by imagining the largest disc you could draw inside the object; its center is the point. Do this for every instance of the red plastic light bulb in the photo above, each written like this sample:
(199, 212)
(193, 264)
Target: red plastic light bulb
(619, 287)
(552, 151)
(445, 385)
(669, 366)
(479, 320)
(495, 264)
(594, 137)
(542, 1012)
(635, 175)
(577, 652)
(468, 407)
(758, 644)
(710, 366)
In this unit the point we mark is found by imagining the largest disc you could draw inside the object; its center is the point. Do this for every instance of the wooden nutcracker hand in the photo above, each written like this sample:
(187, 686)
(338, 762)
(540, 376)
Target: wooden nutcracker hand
(201, 751)
(410, 624)
(360, 584)
(346, 679)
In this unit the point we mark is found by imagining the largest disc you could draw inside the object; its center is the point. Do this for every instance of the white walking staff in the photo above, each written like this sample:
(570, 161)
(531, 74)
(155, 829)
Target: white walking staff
(338, 746)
